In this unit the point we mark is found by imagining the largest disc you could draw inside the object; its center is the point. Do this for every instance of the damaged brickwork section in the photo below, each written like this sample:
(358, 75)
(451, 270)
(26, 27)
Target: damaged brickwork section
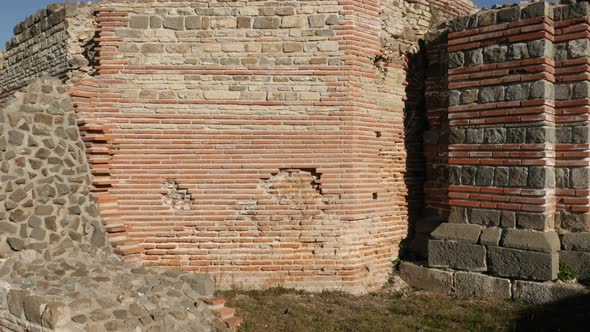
(57, 269)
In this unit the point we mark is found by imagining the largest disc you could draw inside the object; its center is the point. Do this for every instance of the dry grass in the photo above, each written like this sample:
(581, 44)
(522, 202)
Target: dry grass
(294, 311)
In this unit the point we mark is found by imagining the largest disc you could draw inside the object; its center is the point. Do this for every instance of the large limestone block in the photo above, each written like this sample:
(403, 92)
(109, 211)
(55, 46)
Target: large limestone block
(475, 284)
(457, 255)
(457, 232)
(531, 240)
(577, 261)
(576, 241)
(523, 264)
(432, 280)
(539, 293)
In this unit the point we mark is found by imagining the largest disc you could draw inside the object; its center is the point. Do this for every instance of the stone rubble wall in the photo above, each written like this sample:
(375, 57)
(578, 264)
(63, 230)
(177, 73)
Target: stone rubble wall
(45, 182)
(51, 42)
(56, 267)
(518, 168)
(85, 290)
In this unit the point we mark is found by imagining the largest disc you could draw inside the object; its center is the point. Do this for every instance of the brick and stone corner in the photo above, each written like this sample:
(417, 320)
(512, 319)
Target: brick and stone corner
(519, 175)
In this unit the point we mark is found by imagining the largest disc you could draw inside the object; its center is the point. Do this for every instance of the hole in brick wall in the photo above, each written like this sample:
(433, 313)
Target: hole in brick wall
(313, 171)
(176, 198)
(90, 53)
(295, 187)
(375, 195)
(378, 134)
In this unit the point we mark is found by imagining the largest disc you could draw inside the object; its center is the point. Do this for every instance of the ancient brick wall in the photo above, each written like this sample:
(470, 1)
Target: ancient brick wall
(262, 143)
(243, 106)
(281, 125)
(518, 145)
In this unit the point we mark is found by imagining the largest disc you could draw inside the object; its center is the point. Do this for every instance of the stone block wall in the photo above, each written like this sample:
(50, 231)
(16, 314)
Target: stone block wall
(518, 179)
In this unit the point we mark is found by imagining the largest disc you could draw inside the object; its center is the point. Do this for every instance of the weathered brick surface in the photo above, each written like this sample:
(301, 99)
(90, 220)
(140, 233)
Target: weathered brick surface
(282, 124)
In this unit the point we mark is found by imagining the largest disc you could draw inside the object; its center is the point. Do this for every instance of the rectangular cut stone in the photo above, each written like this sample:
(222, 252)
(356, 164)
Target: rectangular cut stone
(490, 236)
(577, 261)
(457, 232)
(523, 264)
(576, 241)
(539, 293)
(457, 255)
(475, 284)
(534, 221)
(485, 217)
(432, 280)
(531, 240)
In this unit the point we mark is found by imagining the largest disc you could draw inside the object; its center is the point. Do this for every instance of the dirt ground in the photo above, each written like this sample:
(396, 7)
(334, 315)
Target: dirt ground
(394, 310)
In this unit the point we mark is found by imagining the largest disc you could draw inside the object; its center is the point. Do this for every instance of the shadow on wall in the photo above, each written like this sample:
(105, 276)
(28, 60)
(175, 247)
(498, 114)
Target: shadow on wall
(426, 74)
(415, 125)
(572, 314)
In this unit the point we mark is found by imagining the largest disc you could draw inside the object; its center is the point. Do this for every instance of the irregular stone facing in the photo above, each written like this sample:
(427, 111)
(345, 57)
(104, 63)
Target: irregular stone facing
(481, 285)
(522, 264)
(46, 179)
(457, 255)
(432, 280)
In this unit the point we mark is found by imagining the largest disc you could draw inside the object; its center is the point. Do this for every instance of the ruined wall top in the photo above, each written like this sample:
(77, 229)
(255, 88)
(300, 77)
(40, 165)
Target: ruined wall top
(516, 12)
(55, 41)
